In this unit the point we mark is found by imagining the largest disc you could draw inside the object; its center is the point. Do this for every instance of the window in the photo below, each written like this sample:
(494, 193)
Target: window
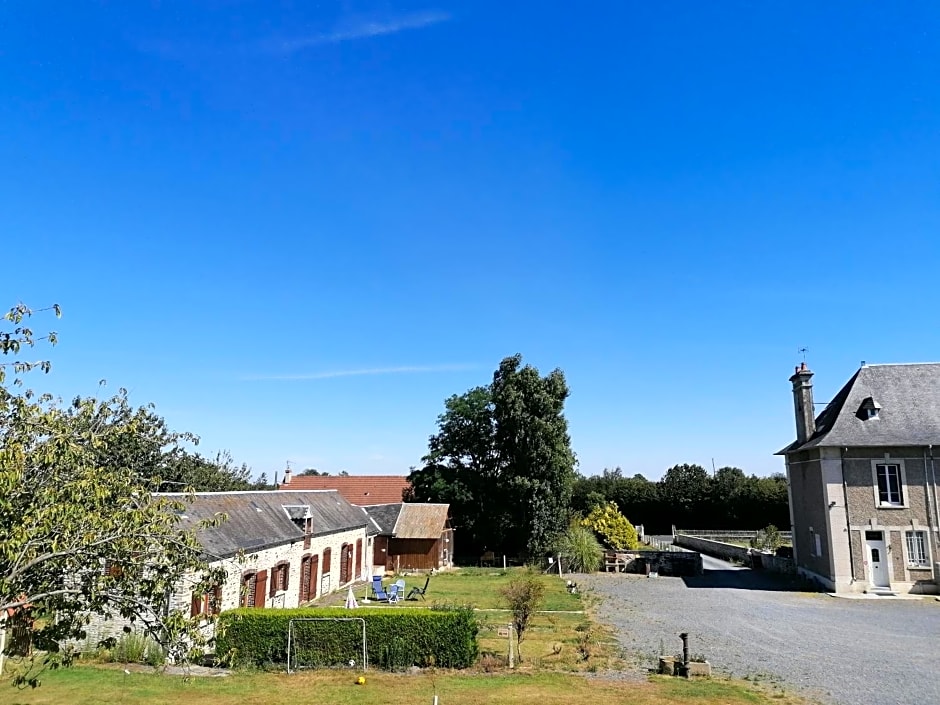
(208, 603)
(917, 549)
(818, 544)
(252, 588)
(279, 578)
(889, 485)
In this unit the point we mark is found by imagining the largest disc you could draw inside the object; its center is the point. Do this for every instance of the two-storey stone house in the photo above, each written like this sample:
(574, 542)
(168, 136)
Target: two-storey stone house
(863, 481)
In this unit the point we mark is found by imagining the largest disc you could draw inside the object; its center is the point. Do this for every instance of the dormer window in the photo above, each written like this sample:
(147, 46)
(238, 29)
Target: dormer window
(868, 409)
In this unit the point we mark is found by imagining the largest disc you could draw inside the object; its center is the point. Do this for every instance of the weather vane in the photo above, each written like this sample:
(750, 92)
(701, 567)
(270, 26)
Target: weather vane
(803, 351)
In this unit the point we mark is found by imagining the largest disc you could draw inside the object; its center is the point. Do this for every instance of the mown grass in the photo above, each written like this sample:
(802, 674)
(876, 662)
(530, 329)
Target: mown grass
(88, 685)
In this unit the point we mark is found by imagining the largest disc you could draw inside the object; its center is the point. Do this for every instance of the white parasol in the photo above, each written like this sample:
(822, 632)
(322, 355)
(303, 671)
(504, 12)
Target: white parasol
(351, 603)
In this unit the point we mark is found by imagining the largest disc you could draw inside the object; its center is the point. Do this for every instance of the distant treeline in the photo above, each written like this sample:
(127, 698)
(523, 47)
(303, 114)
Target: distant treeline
(690, 497)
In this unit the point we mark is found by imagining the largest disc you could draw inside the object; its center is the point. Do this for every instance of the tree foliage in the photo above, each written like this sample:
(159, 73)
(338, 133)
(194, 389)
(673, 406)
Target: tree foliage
(19, 335)
(688, 497)
(84, 535)
(612, 526)
(502, 458)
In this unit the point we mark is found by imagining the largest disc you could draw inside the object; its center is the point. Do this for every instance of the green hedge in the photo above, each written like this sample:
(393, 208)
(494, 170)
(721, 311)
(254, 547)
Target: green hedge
(395, 638)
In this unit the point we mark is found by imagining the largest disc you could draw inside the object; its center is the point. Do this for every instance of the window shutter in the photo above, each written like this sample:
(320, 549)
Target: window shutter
(314, 577)
(358, 559)
(273, 588)
(216, 599)
(195, 606)
(260, 581)
(326, 560)
(286, 569)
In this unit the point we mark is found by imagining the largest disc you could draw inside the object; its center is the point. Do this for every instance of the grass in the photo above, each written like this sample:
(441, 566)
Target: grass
(87, 685)
(553, 669)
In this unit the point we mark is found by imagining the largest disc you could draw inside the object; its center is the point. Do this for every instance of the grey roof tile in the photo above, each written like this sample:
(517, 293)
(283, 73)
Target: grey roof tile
(907, 397)
(261, 519)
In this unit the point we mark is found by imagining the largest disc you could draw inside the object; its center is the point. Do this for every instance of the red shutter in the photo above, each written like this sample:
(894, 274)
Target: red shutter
(195, 606)
(216, 605)
(326, 560)
(286, 569)
(260, 581)
(273, 588)
(314, 577)
(358, 559)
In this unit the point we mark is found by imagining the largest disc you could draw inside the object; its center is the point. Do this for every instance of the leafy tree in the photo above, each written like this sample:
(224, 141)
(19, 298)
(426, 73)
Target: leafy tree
(581, 549)
(523, 596)
(612, 526)
(683, 488)
(83, 533)
(20, 335)
(84, 537)
(534, 449)
(502, 457)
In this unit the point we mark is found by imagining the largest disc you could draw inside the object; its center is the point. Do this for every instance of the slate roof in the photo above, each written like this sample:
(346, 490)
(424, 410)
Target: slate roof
(385, 515)
(907, 397)
(418, 520)
(262, 519)
(361, 490)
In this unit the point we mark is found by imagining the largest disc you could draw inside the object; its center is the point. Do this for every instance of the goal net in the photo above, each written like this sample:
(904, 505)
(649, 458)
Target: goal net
(326, 642)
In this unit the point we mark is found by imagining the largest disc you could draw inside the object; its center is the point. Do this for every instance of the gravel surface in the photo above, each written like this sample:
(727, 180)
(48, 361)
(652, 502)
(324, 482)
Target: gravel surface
(839, 651)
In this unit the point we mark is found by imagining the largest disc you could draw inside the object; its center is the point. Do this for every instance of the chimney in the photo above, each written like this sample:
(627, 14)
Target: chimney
(287, 476)
(803, 403)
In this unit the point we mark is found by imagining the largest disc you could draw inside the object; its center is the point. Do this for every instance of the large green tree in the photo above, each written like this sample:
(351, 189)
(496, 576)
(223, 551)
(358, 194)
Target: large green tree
(502, 458)
(84, 535)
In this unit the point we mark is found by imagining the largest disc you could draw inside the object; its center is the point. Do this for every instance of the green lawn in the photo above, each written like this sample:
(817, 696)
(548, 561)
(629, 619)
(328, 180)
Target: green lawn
(89, 685)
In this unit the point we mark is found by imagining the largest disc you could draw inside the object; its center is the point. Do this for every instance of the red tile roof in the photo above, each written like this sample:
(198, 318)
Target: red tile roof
(360, 490)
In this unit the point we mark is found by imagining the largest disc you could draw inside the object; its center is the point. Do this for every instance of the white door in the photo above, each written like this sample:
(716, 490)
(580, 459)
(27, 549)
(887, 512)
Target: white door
(877, 559)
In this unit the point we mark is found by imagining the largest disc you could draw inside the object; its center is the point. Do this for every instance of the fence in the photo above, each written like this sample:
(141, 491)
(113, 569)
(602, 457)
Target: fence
(728, 534)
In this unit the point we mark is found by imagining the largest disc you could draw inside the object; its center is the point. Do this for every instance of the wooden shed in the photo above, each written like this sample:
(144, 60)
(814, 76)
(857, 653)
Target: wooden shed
(412, 536)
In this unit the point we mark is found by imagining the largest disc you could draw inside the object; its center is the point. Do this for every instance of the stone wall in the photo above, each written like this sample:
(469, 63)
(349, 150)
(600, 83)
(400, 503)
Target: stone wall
(719, 549)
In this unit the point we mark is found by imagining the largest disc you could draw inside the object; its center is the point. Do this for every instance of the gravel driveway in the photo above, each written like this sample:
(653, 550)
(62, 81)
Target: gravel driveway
(840, 651)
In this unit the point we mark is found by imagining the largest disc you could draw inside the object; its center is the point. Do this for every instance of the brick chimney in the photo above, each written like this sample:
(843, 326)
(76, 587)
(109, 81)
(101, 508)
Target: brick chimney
(803, 403)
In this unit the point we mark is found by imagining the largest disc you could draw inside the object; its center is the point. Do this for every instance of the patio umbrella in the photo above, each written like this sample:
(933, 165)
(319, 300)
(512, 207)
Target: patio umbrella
(351, 603)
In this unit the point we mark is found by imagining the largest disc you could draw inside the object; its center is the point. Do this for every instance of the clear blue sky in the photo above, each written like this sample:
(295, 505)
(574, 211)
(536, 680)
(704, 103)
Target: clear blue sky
(236, 202)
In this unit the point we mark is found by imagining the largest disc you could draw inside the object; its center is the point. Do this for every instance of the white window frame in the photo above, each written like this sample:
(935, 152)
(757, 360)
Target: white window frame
(902, 483)
(914, 552)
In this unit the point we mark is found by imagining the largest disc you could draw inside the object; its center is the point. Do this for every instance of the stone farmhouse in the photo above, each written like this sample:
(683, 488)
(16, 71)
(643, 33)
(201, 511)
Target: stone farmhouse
(862, 480)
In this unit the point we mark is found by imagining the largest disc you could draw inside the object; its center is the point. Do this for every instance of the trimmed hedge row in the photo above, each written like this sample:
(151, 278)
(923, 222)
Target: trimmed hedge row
(394, 638)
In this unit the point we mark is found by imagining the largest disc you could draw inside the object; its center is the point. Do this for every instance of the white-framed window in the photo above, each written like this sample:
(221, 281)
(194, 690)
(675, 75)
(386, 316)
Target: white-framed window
(889, 484)
(917, 549)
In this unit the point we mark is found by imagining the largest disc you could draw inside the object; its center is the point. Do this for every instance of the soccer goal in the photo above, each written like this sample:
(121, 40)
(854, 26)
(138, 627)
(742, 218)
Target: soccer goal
(326, 642)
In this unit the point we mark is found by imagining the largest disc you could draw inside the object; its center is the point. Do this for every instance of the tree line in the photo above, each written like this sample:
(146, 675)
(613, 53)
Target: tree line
(689, 497)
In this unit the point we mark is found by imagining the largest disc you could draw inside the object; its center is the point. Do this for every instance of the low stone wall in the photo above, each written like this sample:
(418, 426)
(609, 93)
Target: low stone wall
(719, 549)
(733, 552)
(672, 563)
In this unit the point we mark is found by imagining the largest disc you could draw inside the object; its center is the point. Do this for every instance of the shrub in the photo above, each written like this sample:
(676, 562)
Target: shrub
(612, 526)
(581, 548)
(137, 648)
(395, 639)
(767, 539)
(523, 595)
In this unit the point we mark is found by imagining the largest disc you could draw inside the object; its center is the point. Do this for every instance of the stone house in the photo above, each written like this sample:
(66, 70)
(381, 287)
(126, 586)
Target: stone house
(412, 536)
(862, 481)
(278, 549)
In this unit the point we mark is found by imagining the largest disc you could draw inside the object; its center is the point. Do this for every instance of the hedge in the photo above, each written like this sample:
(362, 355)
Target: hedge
(395, 638)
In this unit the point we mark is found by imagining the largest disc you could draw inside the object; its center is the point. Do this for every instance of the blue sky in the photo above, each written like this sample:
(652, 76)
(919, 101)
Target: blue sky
(297, 227)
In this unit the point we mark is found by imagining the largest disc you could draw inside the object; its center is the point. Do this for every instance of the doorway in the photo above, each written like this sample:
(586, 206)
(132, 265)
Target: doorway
(877, 559)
